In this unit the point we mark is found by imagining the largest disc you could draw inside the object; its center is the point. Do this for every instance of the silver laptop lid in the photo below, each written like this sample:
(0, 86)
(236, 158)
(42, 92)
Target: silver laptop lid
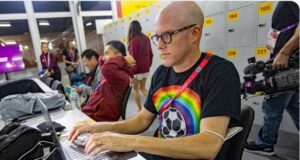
(49, 123)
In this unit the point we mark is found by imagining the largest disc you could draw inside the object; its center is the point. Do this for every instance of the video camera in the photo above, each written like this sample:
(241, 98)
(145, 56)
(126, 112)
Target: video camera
(274, 80)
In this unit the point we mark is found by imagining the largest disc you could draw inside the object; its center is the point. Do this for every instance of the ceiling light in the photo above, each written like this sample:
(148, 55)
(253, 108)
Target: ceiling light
(5, 24)
(44, 23)
(10, 42)
(44, 41)
(21, 47)
(26, 47)
(88, 24)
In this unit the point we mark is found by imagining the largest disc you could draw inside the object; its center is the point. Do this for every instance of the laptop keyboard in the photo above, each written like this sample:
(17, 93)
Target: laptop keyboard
(77, 152)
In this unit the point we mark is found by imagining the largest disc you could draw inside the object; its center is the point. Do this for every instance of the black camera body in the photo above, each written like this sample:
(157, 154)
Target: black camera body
(274, 80)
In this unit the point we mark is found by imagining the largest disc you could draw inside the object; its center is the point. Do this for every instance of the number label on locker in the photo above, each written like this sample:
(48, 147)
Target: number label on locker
(208, 21)
(233, 16)
(261, 52)
(232, 53)
(265, 8)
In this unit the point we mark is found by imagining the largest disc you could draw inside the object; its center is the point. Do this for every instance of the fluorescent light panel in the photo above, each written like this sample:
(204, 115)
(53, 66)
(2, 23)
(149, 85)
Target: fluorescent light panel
(89, 24)
(44, 23)
(10, 42)
(5, 24)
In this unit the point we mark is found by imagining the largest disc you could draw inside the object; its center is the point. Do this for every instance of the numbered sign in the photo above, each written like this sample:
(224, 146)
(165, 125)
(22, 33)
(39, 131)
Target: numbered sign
(232, 53)
(208, 21)
(232, 16)
(261, 52)
(265, 8)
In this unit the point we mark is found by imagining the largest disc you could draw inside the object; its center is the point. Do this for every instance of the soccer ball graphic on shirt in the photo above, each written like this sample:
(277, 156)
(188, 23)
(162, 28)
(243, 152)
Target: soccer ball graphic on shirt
(173, 123)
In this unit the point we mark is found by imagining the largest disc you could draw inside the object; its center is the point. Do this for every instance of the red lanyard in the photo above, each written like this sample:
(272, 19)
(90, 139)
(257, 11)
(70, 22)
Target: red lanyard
(189, 80)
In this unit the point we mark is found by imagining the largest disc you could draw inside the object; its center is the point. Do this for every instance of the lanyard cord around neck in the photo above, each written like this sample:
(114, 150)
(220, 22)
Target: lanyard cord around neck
(188, 81)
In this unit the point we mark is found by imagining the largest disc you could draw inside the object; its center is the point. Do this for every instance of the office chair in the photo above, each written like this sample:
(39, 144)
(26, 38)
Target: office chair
(49, 81)
(125, 100)
(56, 85)
(237, 143)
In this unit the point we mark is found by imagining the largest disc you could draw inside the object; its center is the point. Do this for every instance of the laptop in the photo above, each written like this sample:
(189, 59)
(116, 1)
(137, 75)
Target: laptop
(68, 151)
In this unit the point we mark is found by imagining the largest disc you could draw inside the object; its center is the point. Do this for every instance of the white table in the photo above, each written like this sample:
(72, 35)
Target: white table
(66, 118)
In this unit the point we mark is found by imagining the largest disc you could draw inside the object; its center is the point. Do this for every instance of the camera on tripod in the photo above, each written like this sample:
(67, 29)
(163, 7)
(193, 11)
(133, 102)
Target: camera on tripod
(273, 80)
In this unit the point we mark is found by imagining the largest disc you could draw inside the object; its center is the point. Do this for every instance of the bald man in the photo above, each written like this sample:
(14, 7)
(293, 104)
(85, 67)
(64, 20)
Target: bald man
(194, 115)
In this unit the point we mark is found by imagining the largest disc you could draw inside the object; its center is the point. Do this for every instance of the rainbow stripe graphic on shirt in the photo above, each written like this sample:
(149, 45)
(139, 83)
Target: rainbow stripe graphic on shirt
(188, 103)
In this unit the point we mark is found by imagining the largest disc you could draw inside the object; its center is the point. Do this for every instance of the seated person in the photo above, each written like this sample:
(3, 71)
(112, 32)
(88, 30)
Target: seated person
(106, 101)
(194, 115)
(90, 61)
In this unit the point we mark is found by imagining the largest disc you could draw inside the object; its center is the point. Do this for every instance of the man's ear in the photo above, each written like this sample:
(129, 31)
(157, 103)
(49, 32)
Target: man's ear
(196, 32)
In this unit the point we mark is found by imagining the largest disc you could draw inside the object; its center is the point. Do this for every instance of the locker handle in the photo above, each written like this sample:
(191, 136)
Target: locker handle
(262, 25)
(206, 34)
(231, 30)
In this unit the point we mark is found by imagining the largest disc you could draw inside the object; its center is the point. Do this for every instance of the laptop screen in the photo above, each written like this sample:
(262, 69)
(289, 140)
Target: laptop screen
(48, 121)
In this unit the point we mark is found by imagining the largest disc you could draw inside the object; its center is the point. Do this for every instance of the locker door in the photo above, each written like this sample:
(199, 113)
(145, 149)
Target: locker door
(213, 35)
(240, 58)
(264, 16)
(238, 4)
(213, 7)
(240, 27)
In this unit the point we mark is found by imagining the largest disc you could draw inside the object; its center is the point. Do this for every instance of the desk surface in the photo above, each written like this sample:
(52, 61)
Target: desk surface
(66, 118)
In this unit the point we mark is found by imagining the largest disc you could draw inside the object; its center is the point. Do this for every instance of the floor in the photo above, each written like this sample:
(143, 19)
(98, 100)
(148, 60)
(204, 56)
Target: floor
(287, 147)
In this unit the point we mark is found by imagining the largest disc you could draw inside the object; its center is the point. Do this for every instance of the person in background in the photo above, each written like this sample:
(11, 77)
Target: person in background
(285, 19)
(90, 61)
(106, 101)
(71, 59)
(49, 63)
(139, 47)
(194, 115)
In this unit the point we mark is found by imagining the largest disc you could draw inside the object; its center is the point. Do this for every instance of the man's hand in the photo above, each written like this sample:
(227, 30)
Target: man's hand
(281, 61)
(130, 61)
(92, 128)
(108, 141)
(78, 89)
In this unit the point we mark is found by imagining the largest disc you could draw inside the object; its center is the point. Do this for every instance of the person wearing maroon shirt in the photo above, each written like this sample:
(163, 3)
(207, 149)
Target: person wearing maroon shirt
(139, 47)
(106, 101)
(49, 62)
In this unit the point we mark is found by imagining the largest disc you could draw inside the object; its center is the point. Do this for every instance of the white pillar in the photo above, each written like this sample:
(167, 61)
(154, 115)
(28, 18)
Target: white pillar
(78, 28)
(34, 31)
(114, 10)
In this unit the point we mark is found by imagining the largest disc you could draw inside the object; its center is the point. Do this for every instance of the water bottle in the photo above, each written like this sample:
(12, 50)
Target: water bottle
(74, 99)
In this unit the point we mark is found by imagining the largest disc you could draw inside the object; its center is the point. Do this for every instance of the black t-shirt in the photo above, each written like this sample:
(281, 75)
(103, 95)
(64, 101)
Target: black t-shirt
(285, 14)
(214, 92)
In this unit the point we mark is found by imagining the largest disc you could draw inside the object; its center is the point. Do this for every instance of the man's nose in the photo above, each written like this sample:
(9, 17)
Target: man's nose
(160, 44)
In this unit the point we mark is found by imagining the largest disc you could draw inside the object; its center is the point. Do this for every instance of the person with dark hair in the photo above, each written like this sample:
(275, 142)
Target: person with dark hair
(90, 61)
(71, 59)
(139, 47)
(285, 37)
(49, 63)
(106, 101)
(118, 46)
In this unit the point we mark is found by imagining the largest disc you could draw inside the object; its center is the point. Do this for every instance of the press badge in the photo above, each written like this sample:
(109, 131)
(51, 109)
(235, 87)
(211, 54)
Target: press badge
(272, 39)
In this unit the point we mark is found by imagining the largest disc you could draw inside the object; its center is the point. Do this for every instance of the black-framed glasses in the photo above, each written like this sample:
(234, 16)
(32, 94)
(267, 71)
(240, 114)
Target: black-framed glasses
(166, 37)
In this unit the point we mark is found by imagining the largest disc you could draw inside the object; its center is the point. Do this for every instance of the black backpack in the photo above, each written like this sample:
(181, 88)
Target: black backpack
(20, 142)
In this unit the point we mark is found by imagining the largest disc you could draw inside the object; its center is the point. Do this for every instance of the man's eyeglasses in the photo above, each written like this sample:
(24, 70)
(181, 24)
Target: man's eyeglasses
(166, 37)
